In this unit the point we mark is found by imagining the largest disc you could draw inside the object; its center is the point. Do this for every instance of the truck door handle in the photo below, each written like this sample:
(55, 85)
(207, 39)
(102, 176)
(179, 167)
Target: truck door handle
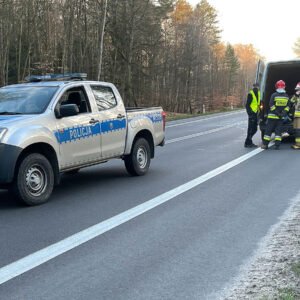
(93, 121)
(120, 116)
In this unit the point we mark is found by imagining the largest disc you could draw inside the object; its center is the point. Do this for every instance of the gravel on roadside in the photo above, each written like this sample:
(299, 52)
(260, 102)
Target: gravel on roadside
(269, 271)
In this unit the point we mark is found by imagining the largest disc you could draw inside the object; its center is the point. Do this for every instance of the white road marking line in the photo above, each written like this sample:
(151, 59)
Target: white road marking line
(42, 256)
(204, 132)
(204, 119)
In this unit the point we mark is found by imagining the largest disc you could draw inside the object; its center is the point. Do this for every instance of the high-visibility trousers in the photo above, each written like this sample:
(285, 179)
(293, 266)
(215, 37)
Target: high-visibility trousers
(296, 125)
(273, 125)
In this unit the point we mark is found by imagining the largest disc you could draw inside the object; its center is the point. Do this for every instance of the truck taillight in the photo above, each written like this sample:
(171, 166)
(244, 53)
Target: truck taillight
(164, 114)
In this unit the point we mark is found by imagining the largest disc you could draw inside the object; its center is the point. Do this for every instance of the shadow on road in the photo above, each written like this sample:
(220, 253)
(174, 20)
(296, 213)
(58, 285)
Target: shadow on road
(7, 201)
(87, 182)
(90, 180)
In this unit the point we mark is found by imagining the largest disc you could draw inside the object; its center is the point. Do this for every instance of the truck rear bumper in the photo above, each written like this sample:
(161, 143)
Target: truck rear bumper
(8, 158)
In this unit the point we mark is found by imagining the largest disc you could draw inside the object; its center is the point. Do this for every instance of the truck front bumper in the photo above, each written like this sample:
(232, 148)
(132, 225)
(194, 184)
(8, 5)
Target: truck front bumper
(8, 158)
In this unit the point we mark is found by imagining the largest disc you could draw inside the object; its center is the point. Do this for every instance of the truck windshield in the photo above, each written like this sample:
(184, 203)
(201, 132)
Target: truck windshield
(25, 100)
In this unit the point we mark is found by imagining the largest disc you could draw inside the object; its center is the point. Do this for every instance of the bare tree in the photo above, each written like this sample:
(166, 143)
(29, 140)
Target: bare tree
(102, 38)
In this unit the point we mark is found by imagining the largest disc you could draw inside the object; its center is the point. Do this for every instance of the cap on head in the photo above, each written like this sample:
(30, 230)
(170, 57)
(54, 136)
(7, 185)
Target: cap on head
(297, 88)
(256, 85)
(280, 84)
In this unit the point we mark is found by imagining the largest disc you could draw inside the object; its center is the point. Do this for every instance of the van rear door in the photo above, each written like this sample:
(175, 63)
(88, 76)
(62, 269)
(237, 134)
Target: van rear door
(259, 79)
(259, 72)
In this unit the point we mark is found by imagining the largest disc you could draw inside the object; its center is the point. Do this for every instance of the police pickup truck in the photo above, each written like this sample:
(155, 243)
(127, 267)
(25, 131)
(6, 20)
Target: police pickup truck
(50, 126)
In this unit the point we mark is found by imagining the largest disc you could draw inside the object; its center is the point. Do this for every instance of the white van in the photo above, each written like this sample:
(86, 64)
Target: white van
(267, 75)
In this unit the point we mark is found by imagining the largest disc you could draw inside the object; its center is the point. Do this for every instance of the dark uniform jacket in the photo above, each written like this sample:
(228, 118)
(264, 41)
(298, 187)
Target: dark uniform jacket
(279, 104)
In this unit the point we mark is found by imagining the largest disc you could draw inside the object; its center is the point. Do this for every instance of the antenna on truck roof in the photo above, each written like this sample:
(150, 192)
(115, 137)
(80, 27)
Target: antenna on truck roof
(56, 77)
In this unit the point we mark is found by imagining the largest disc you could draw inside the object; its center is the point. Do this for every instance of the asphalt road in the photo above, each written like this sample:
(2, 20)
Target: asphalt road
(189, 247)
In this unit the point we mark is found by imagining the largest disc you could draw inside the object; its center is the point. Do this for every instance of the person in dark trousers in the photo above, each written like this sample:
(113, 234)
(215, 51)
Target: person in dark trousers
(252, 108)
(279, 108)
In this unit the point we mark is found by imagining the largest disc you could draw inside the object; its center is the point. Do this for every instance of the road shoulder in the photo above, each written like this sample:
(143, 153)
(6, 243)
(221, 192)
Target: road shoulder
(270, 271)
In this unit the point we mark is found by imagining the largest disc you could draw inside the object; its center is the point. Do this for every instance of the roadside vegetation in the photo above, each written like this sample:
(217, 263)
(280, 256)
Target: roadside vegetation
(172, 116)
(283, 294)
(296, 268)
(287, 294)
(292, 293)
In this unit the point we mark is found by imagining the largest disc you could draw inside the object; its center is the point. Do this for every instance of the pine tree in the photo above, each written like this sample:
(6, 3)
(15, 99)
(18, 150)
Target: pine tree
(206, 37)
(231, 66)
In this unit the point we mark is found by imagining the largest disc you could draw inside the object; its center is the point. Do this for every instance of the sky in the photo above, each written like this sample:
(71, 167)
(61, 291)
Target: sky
(272, 26)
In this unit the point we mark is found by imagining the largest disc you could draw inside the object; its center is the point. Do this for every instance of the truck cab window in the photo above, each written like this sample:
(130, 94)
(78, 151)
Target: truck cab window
(104, 97)
(76, 96)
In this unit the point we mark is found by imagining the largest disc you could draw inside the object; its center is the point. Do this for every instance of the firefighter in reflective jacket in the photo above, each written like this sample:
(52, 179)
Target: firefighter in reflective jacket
(279, 108)
(252, 108)
(295, 101)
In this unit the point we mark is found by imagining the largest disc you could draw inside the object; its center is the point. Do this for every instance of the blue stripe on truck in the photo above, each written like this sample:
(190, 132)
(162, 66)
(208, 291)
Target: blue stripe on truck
(155, 117)
(81, 132)
(109, 126)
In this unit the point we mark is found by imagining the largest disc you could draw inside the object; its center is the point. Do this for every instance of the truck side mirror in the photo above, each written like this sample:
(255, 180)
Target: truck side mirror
(66, 110)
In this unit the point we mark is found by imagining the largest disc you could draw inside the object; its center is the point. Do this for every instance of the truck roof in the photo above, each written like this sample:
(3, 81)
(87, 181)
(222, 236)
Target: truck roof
(58, 80)
(58, 83)
(42, 83)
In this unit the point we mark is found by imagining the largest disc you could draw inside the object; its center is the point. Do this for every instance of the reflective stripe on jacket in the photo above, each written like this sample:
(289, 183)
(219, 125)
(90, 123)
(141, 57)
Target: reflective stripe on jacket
(281, 101)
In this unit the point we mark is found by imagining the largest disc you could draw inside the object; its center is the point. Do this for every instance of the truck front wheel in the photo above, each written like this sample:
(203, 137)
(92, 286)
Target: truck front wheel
(138, 161)
(34, 180)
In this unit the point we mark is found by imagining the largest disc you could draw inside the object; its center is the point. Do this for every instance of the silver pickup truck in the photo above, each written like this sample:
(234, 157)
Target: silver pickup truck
(51, 127)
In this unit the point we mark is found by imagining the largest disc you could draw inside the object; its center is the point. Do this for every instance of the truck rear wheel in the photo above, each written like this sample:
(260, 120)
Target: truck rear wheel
(34, 180)
(138, 161)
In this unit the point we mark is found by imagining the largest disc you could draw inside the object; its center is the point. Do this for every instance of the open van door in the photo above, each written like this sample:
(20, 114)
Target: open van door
(259, 79)
(259, 72)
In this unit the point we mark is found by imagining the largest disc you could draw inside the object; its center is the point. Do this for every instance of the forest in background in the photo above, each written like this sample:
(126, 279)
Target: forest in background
(157, 52)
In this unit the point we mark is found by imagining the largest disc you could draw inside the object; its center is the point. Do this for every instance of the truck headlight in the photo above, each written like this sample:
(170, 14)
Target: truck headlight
(2, 133)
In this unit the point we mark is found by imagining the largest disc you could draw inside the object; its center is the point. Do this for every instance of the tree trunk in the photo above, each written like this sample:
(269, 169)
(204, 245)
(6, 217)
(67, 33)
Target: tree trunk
(101, 39)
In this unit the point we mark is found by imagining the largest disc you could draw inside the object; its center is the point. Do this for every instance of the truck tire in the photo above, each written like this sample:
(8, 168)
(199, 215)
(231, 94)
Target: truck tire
(138, 161)
(34, 180)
